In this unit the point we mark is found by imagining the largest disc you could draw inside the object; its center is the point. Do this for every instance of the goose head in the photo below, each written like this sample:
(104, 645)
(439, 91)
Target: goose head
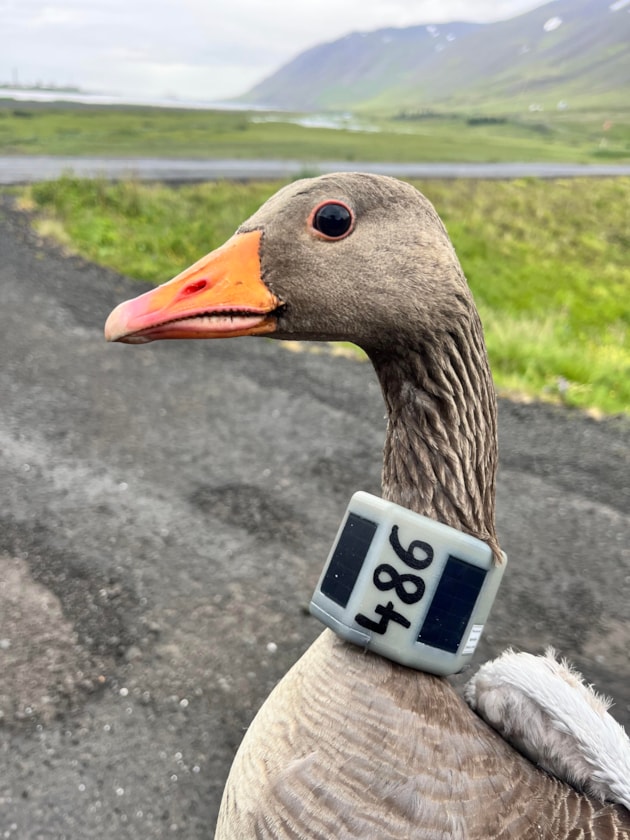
(353, 257)
(361, 258)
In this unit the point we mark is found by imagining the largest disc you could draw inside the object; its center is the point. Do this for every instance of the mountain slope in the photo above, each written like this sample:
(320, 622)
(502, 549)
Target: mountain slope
(571, 50)
(354, 68)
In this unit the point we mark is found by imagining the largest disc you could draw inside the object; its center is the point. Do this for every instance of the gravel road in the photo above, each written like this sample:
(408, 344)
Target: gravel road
(165, 511)
(23, 169)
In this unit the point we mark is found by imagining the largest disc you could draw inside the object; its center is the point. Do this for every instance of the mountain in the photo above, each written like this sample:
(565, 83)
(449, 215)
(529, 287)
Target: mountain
(567, 51)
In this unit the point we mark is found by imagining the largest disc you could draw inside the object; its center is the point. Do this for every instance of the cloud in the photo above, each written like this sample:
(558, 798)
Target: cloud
(196, 48)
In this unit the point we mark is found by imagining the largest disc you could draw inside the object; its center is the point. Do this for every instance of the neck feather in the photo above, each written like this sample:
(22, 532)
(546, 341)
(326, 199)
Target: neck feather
(440, 453)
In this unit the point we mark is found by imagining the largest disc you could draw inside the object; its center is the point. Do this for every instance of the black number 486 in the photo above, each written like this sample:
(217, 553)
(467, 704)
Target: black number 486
(409, 587)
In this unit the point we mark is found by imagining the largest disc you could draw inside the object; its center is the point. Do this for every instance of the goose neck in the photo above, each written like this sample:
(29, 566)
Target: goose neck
(440, 454)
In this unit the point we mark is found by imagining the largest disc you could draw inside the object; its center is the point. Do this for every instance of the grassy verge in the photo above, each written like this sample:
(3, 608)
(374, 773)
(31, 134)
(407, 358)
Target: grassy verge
(547, 262)
(147, 132)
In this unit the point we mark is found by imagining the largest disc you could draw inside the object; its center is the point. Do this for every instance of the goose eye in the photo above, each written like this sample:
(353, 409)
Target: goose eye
(333, 220)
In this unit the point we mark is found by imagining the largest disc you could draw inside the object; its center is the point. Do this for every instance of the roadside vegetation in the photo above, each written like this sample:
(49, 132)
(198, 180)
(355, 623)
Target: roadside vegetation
(408, 136)
(547, 262)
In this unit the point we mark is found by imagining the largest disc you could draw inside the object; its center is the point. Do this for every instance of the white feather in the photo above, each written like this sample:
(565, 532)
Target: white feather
(544, 708)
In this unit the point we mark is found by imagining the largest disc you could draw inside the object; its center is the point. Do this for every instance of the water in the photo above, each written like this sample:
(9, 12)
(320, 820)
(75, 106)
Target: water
(340, 122)
(85, 98)
(336, 121)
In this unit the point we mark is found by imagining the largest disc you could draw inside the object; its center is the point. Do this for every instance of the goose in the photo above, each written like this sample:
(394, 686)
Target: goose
(350, 744)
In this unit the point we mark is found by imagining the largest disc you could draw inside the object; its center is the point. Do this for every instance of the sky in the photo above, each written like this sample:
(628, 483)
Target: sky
(195, 49)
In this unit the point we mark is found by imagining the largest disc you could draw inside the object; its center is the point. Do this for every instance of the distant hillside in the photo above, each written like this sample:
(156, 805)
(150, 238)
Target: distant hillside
(574, 52)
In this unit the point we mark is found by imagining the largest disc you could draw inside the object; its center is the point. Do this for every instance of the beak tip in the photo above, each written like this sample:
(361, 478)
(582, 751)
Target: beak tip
(118, 327)
(116, 324)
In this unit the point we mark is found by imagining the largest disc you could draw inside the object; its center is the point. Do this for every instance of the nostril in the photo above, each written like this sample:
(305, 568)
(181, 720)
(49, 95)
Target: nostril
(194, 288)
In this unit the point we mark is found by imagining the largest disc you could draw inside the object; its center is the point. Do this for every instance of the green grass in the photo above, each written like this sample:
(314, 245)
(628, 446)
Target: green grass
(147, 132)
(547, 262)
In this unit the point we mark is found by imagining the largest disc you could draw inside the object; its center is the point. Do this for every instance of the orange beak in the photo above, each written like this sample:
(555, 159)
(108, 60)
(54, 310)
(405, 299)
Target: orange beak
(220, 296)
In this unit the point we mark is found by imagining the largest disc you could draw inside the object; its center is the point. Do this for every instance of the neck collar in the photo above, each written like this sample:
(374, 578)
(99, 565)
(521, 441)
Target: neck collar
(407, 587)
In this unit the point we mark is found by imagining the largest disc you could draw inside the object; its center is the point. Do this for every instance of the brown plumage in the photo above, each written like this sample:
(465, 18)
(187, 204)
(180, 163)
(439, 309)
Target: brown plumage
(350, 745)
